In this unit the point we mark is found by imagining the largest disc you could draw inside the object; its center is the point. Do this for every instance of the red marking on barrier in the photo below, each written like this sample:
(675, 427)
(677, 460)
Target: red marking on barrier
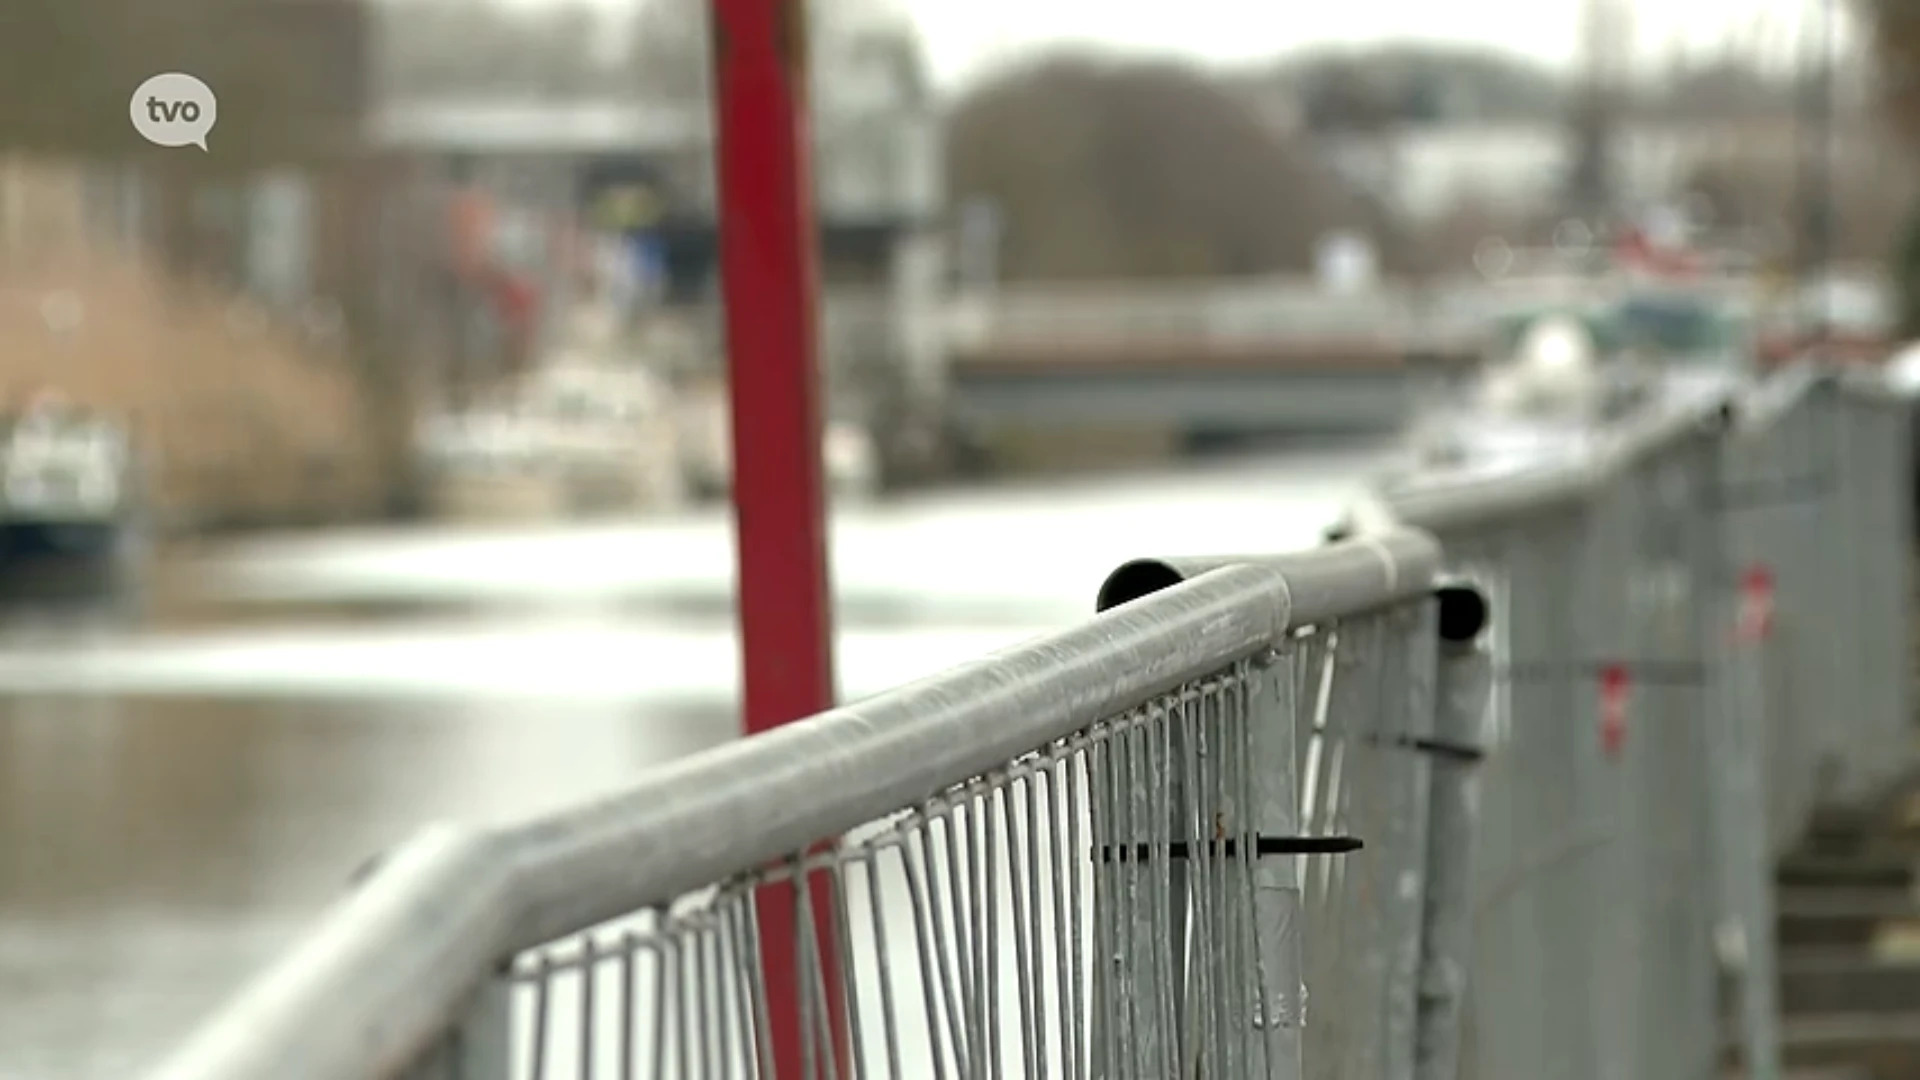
(1616, 686)
(1755, 620)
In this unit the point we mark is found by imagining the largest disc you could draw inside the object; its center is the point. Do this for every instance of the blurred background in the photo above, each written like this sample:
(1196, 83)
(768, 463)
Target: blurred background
(369, 468)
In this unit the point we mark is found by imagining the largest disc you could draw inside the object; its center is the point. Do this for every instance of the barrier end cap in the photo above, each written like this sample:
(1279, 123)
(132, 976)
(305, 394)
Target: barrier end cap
(1464, 613)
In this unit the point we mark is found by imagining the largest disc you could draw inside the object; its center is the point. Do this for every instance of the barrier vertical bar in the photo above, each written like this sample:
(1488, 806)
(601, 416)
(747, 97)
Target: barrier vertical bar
(1736, 810)
(1880, 422)
(1614, 893)
(1279, 1012)
(1463, 687)
(1897, 473)
(1573, 887)
(769, 282)
(1181, 823)
(1680, 1017)
(1406, 718)
(1741, 717)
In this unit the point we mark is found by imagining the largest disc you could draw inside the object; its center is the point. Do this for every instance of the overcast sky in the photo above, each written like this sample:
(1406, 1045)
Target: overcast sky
(964, 36)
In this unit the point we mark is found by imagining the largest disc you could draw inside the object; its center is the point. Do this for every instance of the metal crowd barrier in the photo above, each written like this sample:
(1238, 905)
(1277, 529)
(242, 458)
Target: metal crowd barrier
(1488, 788)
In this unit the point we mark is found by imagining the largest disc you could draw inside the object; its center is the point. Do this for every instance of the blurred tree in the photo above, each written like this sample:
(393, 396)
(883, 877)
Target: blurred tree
(1742, 191)
(1448, 242)
(1723, 86)
(1893, 33)
(1424, 84)
(1113, 170)
(1415, 84)
(1423, 100)
(1352, 99)
(1753, 192)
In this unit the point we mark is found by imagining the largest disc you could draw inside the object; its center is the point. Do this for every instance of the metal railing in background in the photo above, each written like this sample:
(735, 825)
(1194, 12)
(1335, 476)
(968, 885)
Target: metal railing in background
(1095, 322)
(1282, 816)
(1678, 630)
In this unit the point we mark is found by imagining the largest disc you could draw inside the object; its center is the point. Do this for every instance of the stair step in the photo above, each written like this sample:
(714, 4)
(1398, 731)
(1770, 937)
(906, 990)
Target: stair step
(1894, 808)
(1882, 902)
(1817, 1073)
(1890, 845)
(1883, 1044)
(1831, 982)
(1852, 821)
(1901, 844)
(1874, 869)
(1842, 1029)
(1841, 917)
(1895, 814)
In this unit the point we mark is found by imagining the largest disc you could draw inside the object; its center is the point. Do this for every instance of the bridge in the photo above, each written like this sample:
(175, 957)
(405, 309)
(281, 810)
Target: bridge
(1246, 356)
(1229, 356)
(1588, 769)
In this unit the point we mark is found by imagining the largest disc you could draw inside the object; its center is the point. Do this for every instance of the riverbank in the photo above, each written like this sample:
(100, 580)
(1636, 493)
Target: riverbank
(238, 418)
(240, 415)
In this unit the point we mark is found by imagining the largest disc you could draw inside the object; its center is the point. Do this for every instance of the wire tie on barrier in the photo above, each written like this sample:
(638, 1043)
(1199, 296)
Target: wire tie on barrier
(1263, 846)
(1463, 753)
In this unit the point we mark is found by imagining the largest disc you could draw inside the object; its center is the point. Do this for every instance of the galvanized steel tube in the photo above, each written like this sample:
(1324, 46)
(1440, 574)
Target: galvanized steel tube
(1463, 691)
(391, 969)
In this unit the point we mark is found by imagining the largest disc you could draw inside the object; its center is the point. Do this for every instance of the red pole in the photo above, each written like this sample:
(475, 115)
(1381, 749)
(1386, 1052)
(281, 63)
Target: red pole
(769, 280)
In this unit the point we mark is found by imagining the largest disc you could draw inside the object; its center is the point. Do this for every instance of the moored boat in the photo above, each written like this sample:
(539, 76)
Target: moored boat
(67, 490)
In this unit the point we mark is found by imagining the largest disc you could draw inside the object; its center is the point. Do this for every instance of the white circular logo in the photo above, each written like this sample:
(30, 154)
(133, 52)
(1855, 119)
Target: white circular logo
(174, 109)
(1492, 257)
(1572, 237)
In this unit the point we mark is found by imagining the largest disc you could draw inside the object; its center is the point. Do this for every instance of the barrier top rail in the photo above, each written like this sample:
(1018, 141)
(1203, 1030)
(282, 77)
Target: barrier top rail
(1448, 501)
(392, 964)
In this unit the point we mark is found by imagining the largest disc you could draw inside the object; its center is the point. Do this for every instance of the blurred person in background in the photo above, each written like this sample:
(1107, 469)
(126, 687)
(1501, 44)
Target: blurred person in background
(469, 222)
(496, 298)
(613, 276)
(516, 302)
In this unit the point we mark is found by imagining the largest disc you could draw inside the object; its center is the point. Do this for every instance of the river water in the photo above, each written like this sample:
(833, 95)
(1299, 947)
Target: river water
(184, 788)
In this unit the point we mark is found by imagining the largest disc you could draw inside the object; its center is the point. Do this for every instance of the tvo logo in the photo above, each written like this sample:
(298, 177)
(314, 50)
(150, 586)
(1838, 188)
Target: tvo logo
(174, 109)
